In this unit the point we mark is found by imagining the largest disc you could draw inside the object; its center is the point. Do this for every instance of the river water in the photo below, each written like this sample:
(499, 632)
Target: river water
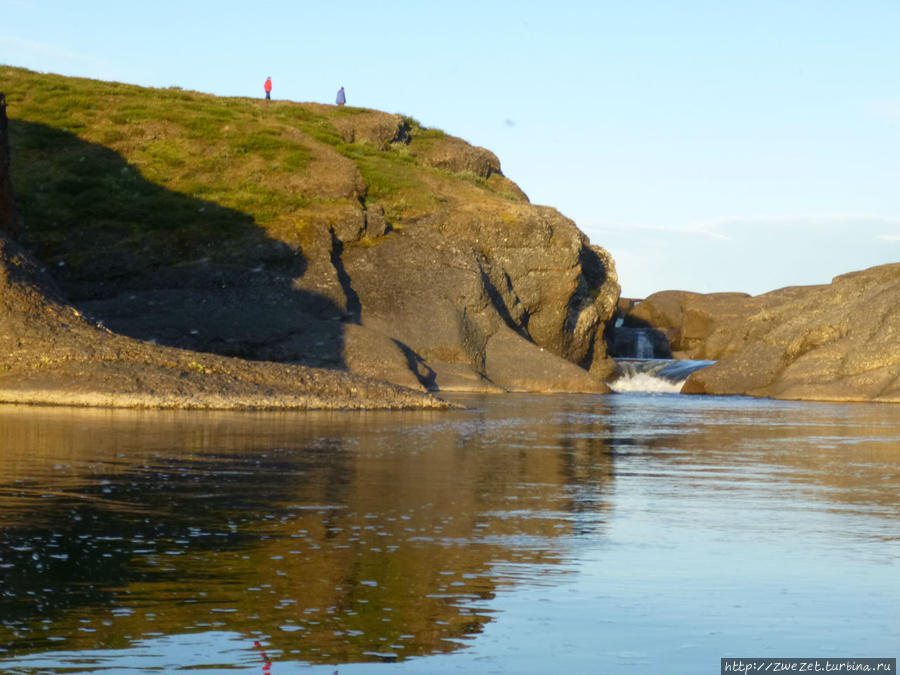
(526, 534)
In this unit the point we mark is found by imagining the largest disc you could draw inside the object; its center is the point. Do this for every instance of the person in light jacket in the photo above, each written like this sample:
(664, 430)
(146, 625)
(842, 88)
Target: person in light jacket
(341, 98)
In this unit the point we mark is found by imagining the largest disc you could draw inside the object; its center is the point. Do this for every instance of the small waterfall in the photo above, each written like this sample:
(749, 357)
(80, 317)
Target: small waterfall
(636, 342)
(643, 347)
(662, 376)
(644, 360)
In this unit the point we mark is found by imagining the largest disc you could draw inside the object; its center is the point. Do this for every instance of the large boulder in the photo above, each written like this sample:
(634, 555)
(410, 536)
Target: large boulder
(426, 303)
(452, 290)
(835, 342)
(686, 318)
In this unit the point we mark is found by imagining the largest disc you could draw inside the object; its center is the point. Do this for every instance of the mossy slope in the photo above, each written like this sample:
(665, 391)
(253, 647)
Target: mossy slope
(267, 230)
(120, 160)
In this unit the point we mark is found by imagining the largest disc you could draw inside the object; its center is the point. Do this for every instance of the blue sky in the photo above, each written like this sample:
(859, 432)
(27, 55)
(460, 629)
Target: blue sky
(710, 146)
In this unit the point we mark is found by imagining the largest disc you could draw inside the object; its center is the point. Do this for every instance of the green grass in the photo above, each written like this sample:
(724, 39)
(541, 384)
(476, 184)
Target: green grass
(105, 166)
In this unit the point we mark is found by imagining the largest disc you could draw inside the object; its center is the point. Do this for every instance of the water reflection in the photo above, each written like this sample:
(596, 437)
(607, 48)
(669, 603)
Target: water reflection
(845, 455)
(526, 534)
(379, 544)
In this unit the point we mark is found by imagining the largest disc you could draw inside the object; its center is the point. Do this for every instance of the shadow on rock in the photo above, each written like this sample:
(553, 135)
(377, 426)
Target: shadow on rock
(162, 266)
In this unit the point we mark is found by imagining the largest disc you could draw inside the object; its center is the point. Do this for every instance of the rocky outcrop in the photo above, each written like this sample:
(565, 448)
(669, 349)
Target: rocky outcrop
(455, 155)
(686, 319)
(51, 354)
(477, 302)
(836, 342)
(461, 285)
(328, 237)
(462, 301)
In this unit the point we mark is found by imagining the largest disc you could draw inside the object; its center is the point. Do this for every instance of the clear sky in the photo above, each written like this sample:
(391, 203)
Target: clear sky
(709, 145)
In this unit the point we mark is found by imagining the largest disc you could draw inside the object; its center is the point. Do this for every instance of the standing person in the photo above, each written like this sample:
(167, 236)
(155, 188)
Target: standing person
(341, 99)
(268, 87)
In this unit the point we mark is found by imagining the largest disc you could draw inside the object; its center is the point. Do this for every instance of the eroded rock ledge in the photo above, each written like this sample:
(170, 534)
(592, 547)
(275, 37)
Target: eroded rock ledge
(835, 342)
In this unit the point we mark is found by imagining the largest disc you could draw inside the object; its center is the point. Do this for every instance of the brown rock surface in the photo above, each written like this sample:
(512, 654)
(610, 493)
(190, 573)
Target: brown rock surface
(836, 342)
(445, 293)
(50, 354)
(422, 296)
(686, 318)
(323, 236)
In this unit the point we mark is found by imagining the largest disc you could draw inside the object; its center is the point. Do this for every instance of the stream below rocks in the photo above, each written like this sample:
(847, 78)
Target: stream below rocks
(656, 376)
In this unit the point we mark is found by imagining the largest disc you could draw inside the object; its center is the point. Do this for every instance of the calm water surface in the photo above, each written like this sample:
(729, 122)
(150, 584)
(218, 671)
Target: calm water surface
(527, 534)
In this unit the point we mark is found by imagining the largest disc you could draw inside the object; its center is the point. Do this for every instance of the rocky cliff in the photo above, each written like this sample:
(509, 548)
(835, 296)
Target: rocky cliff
(49, 353)
(836, 342)
(341, 238)
(330, 248)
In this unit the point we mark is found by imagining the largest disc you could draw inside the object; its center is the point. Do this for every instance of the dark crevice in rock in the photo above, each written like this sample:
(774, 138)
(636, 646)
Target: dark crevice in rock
(418, 367)
(474, 342)
(497, 302)
(590, 282)
(589, 354)
(354, 307)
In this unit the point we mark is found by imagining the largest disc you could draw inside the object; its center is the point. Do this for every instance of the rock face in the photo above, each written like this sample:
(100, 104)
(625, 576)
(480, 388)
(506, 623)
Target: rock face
(836, 342)
(686, 319)
(396, 252)
(50, 354)
(424, 304)
(479, 302)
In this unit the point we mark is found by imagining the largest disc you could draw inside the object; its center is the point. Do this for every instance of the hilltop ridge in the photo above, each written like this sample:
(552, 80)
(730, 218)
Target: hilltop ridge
(342, 238)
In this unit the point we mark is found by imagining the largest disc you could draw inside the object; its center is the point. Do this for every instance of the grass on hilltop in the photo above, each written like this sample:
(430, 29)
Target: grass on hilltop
(143, 174)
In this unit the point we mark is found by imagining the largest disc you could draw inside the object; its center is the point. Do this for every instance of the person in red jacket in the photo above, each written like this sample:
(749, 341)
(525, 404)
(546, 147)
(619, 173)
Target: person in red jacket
(268, 87)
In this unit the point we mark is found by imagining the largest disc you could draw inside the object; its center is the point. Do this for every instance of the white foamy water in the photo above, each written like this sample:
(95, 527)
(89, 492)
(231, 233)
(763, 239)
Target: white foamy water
(654, 376)
(645, 382)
